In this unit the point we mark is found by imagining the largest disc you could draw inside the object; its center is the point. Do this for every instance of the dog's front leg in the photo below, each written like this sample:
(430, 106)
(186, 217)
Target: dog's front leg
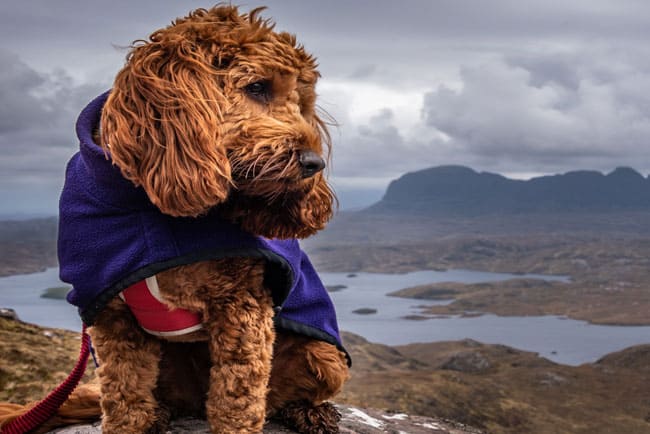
(128, 372)
(306, 373)
(241, 347)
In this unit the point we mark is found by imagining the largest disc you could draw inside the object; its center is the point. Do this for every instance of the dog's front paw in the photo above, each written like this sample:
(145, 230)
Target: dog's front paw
(307, 418)
(162, 421)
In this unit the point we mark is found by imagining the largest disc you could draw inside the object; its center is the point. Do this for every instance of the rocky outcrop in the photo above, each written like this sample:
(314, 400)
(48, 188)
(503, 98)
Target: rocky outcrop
(8, 313)
(467, 361)
(354, 420)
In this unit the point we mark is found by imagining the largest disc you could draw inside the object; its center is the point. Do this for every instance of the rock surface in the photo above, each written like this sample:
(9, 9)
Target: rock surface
(5, 312)
(467, 361)
(354, 420)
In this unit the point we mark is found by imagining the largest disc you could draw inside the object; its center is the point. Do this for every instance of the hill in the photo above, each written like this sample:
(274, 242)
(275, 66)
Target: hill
(458, 190)
(34, 360)
(491, 387)
(501, 389)
(27, 246)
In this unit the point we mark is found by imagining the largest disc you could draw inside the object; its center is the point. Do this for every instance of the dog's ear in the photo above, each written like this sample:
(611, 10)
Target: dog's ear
(161, 126)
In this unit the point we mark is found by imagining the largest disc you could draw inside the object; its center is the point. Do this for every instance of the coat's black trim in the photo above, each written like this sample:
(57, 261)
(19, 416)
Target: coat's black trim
(278, 276)
(312, 332)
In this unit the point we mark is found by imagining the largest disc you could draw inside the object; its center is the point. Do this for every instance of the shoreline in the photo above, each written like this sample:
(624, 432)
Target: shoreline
(504, 298)
(9, 314)
(575, 299)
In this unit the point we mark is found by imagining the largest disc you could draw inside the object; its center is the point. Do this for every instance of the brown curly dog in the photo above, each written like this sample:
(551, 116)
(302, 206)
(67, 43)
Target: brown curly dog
(216, 114)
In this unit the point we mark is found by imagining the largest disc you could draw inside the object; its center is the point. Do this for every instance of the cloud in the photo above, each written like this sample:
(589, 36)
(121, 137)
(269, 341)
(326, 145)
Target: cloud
(363, 72)
(37, 117)
(517, 87)
(17, 84)
(549, 111)
(549, 69)
(380, 147)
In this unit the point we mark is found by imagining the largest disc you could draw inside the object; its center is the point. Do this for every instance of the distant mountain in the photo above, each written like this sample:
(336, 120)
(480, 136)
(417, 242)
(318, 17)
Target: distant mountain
(27, 246)
(458, 190)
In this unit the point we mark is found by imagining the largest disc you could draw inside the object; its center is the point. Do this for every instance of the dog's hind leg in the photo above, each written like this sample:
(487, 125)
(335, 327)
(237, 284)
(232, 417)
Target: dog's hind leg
(305, 374)
(128, 372)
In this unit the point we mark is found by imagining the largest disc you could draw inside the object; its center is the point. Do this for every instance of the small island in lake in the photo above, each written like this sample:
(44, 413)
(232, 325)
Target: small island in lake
(335, 288)
(56, 292)
(365, 311)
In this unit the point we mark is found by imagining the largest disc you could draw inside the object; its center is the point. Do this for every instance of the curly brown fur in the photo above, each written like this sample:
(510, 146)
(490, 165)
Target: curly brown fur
(237, 310)
(215, 113)
(219, 103)
(128, 371)
(238, 317)
(306, 373)
(305, 417)
(304, 370)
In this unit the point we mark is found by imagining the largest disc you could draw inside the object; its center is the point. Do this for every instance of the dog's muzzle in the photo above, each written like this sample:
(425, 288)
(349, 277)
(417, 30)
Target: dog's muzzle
(311, 163)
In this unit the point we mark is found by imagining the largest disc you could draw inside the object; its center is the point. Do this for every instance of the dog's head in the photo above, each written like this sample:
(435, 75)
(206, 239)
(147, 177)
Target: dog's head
(218, 110)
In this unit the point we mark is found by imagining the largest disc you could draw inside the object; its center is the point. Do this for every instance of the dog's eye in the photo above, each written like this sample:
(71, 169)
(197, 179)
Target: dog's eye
(260, 90)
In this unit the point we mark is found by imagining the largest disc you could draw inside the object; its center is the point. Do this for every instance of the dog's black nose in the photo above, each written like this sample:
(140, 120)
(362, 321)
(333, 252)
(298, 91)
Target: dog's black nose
(311, 163)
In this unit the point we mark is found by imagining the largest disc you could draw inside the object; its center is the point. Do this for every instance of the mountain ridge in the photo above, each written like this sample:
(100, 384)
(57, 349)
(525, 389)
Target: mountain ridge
(460, 190)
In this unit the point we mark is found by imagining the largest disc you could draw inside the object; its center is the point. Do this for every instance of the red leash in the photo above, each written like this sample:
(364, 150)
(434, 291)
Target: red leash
(46, 408)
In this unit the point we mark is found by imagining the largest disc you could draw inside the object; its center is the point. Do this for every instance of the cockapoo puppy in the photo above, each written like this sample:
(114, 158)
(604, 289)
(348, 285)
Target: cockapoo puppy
(197, 172)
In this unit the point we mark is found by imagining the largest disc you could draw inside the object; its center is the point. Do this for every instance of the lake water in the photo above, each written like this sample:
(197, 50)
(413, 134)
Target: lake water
(556, 338)
(22, 293)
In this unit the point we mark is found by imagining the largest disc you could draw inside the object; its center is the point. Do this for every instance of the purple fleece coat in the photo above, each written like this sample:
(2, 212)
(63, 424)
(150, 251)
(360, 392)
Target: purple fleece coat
(111, 236)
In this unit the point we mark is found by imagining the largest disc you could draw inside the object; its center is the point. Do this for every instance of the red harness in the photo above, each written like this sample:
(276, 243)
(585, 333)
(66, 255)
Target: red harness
(154, 316)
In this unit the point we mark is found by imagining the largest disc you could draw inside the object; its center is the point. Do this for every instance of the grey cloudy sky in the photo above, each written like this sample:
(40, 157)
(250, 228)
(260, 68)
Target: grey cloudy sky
(515, 87)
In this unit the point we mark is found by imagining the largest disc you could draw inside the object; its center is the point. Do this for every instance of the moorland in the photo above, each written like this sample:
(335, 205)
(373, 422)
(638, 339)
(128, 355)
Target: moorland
(601, 246)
